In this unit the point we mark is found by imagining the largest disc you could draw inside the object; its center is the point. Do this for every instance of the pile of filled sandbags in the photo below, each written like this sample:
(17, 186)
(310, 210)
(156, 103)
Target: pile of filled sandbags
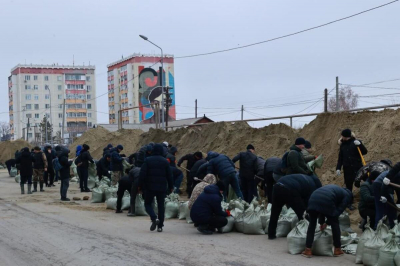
(172, 206)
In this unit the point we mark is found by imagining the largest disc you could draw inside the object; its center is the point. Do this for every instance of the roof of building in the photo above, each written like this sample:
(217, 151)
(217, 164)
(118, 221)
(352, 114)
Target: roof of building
(138, 55)
(53, 66)
(187, 121)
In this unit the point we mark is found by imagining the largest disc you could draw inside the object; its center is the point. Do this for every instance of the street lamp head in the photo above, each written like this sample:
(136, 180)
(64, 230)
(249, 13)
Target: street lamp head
(143, 37)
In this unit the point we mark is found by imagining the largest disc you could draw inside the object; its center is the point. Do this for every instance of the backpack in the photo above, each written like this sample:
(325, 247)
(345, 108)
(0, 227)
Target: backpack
(56, 164)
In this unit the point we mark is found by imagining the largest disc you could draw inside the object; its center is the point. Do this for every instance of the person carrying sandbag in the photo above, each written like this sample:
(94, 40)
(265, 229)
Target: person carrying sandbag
(327, 203)
(116, 166)
(39, 167)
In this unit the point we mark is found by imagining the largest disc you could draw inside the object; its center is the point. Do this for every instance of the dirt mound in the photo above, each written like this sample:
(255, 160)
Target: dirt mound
(8, 148)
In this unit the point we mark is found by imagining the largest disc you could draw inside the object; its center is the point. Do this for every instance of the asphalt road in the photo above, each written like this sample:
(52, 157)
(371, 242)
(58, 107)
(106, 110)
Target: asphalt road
(40, 230)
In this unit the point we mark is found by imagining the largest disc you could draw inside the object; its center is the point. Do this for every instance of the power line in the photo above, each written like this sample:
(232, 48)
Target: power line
(362, 86)
(287, 35)
(384, 81)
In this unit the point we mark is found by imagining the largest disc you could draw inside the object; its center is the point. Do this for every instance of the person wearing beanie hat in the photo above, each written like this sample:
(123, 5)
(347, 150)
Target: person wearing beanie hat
(85, 159)
(296, 163)
(349, 158)
(308, 157)
(248, 165)
(39, 167)
(116, 164)
(191, 159)
(107, 149)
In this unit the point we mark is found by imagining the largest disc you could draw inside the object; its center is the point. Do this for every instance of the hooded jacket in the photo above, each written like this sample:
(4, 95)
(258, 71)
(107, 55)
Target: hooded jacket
(49, 156)
(301, 185)
(194, 172)
(199, 188)
(155, 173)
(63, 160)
(107, 149)
(207, 205)
(296, 163)
(171, 156)
(330, 200)
(349, 155)
(367, 198)
(220, 164)
(25, 161)
(116, 161)
(78, 150)
(248, 164)
(85, 158)
(191, 160)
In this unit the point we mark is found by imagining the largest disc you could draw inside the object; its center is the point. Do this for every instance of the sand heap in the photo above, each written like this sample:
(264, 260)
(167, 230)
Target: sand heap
(8, 148)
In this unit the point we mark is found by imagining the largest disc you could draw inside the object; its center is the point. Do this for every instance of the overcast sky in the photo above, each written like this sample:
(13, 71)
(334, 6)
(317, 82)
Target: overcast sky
(359, 50)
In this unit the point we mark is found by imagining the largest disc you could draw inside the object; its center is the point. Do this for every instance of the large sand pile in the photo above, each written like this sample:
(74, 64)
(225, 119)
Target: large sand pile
(8, 148)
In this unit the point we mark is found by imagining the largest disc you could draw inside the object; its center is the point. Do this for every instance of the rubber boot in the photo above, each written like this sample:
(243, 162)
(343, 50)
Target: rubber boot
(41, 187)
(22, 188)
(307, 253)
(29, 188)
(34, 187)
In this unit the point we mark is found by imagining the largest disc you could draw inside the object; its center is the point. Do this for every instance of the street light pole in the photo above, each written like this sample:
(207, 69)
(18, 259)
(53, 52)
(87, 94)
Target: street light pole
(162, 79)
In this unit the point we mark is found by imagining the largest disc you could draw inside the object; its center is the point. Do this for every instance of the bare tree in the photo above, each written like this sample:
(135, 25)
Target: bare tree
(348, 100)
(5, 131)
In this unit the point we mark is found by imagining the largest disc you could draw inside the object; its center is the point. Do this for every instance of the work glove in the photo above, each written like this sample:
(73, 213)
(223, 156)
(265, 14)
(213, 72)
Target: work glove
(357, 182)
(228, 212)
(357, 143)
(386, 181)
(323, 227)
(338, 172)
(383, 200)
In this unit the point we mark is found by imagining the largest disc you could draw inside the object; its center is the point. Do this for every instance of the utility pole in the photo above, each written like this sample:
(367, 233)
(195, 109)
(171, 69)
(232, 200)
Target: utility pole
(168, 102)
(195, 108)
(63, 122)
(337, 94)
(326, 100)
(27, 130)
(162, 92)
(46, 127)
(242, 111)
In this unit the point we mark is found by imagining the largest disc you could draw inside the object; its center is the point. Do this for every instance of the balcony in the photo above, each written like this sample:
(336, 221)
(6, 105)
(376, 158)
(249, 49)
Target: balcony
(76, 119)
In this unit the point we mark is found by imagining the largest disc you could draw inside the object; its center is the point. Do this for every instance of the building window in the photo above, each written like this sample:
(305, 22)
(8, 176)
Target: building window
(89, 96)
(89, 115)
(35, 77)
(27, 96)
(59, 87)
(60, 106)
(88, 88)
(28, 115)
(29, 107)
(27, 87)
(59, 78)
(36, 106)
(89, 106)
(89, 124)
(59, 96)
(27, 77)
(29, 135)
(46, 87)
(47, 96)
(87, 78)
(47, 106)
(60, 115)
(60, 124)
(36, 115)
(35, 87)
(46, 78)
(36, 97)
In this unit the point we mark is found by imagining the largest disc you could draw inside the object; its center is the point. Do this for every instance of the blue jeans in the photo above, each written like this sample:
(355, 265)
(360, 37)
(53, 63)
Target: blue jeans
(148, 201)
(64, 187)
(232, 180)
(383, 209)
(177, 182)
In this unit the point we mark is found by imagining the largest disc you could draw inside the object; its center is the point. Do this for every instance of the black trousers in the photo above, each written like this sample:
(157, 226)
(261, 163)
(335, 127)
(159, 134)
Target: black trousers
(100, 174)
(332, 221)
(369, 213)
(148, 201)
(25, 179)
(189, 184)
(269, 184)
(84, 177)
(249, 188)
(349, 176)
(216, 222)
(282, 196)
(79, 171)
(123, 185)
(134, 192)
(49, 176)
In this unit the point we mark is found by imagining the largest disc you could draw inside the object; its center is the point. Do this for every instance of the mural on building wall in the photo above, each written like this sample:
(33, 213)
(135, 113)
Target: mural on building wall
(150, 91)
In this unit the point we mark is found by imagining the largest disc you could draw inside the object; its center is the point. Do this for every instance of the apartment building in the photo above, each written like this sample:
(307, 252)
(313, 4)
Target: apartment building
(134, 85)
(36, 91)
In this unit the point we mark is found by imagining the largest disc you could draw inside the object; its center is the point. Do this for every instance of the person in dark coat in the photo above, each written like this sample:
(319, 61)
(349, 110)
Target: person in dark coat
(143, 153)
(134, 174)
(248, 169)
(155, 179)
(62, 154)
(269, 167)
(194, 172)
(327, 202)
(366, 206)
(39, 167)
(366, 170)
(191, 159)
(171, 156)
(85, 159)
(221, 165)
(207, 212)
(103, 166)
(349, 158)
(295, 159)
(107, 149)
(294, 191)
(260, 170)
(78, 164)
(25, 161)
(49, 174)
(116, 166)
(124, 184)
(10, 163)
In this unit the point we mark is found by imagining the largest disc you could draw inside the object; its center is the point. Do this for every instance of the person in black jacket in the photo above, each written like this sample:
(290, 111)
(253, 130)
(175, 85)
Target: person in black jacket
(247, 172)
(25, 161)
(62, 155)
(116, 166)
(86, 158)
(49, 174)
(10, 163)
(270, 165)
(191, 159)
(327, 202)
(134, 177)
(39, 167)
(349, 158)
(171, 156)
(366, 206)
(155, 179)
(206, 211)
(195, 172)
(293, 191)
(103, 166)
(107, 149)
(143, 152)
(124, 184)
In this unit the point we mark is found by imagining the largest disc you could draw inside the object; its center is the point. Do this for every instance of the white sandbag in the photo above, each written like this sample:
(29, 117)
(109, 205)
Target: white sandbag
(323, 243)
(110, 192)
(98, 195)
(344, 222)
(371, 250)
(252, 224)
(171, 209)
(296, 239)
(139, 206)
(284, 226)
(229, 226)
(112, 203)
(264, 216)
(239, 225)
(382, 230)
(13, 171)
(18, 178)
(74, 169)
(126, 203)
(350, 249)
(396, 231)
(92, 170)
(105, 181)
(92, 182)
(346, 238)
(388, 252)
(182, 210)
(367, 235)
(397, 259)
(74, 180)
(187, 211)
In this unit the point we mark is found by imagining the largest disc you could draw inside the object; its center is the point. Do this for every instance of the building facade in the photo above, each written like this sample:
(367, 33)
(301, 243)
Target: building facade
(134, 84)
(38, 91)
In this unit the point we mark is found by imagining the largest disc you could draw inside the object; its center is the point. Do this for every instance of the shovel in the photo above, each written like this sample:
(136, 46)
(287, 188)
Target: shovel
(184, 168)
(362, 158)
